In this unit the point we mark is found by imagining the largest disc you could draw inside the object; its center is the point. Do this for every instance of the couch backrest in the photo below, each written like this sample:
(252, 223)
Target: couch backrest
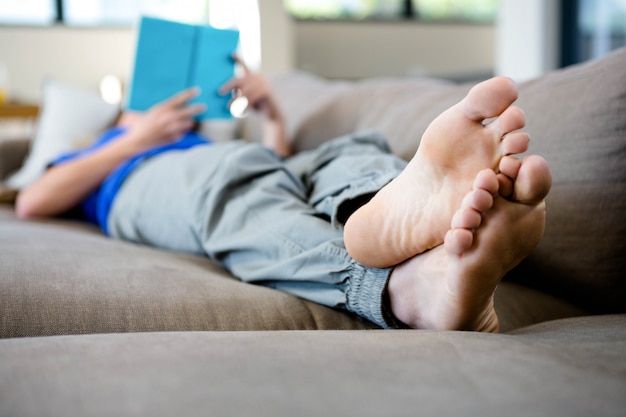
(577, 121)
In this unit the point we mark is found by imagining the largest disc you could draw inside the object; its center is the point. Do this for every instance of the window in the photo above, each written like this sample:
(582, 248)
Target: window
(28, 12)
(601, 27)
(591, 28)
(100, 12)
(424, 10)
(240, 14)
(124, 12)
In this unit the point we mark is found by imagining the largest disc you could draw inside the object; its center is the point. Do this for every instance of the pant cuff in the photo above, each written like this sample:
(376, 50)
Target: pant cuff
(367, 296)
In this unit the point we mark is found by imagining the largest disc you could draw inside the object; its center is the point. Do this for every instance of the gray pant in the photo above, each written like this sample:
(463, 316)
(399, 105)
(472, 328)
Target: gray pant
(269, 221)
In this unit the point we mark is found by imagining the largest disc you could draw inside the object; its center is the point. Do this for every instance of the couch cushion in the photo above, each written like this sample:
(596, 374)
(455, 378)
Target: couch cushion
(399, 108)
(12, 155)
(566, 368)
(301, 96)
(61, 277)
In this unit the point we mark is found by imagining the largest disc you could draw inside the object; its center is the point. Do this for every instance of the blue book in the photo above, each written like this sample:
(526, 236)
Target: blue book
(172, 56)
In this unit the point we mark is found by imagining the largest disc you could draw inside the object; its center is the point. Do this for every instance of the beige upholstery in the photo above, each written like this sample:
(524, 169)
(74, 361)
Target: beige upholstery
(566, 368)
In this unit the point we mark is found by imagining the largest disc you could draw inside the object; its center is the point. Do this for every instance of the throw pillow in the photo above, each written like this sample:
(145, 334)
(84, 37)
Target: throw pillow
(68, 115)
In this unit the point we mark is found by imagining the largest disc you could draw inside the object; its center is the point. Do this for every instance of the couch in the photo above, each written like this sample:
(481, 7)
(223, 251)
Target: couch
(93, 326)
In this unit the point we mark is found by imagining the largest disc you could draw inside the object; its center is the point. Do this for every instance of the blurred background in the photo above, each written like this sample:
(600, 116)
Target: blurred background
(88, 41)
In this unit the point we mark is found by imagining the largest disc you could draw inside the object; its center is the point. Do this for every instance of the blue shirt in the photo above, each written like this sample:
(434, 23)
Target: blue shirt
(96, 206)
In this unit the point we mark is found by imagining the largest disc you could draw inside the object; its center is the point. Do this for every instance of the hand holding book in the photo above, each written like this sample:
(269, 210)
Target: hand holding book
(255, 88)
(171, 57)
(164, 122)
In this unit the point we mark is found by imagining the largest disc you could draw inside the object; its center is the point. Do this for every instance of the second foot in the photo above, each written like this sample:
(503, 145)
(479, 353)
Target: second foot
(452, 286)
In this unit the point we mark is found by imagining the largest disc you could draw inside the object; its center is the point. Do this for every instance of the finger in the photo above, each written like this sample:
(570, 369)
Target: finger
(254, 100)
(184, 126)
(182, 97)
(255, 95)
(179, 127)
(190, 111)
(238, 86)
(235, 83)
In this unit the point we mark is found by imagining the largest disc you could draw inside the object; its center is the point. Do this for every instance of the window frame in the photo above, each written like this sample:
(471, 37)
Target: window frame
(409, 13)
(60, 19)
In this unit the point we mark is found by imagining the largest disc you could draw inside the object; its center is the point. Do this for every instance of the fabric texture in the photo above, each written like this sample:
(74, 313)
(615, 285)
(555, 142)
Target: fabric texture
(57, 277)
(69, 116)
(565, 368)
(577, 121)
(64, 277)
(12, 155)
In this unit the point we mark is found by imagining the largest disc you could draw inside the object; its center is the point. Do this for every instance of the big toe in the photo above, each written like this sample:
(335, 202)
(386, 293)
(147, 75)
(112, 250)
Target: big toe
(533, 181)
(490, 98)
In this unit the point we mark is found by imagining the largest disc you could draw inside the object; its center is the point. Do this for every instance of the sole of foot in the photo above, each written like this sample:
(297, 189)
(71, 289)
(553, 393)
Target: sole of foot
(412, 213)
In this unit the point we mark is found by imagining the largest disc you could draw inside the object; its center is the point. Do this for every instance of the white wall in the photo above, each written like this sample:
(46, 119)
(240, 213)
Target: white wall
(363, 49)
(527, 38)
(78, 55)
(277, 40)
(337, 50)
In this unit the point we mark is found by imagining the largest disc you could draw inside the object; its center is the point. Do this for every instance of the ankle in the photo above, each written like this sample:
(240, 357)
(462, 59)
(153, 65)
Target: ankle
(400, 300)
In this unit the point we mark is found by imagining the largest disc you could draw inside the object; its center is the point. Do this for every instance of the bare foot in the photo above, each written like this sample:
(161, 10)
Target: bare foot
(412, 213)
(451, 287)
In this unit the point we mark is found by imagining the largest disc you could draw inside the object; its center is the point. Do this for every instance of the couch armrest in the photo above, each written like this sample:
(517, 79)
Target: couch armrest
(12, 155)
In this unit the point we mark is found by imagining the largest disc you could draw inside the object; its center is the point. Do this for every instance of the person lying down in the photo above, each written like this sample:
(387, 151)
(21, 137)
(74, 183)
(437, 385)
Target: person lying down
(420, 244)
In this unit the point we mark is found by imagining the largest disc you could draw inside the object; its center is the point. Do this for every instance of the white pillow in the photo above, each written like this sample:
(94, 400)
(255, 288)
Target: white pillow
(68, 115)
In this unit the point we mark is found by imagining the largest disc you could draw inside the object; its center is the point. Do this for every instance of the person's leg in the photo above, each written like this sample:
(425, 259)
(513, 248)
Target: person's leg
(242, 206)
(267, 232)
(344, 173)
(499, 223)
(455, 147)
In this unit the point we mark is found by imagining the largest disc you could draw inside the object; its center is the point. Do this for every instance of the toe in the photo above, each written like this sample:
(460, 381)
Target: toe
(515, 143)
(511, 119)
(479, 200)
(490, 98)
(486, 180)
(510, 166)
(506, 186)
(533, 181)
(466, 218)
(458, 241)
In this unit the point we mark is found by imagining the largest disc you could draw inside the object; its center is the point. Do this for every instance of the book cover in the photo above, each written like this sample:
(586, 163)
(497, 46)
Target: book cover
(172, 56)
